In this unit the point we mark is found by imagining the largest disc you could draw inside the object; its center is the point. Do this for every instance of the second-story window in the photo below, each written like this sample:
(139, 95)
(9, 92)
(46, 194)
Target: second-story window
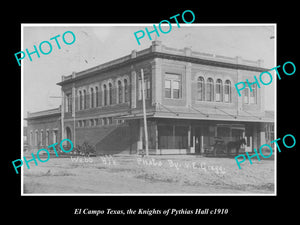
(84, 99)
(253, 94)
(80, 100)
(146, 88)
(104, 94)
(120, 92)
(200, 89)
(68, 102)
(97, 96)
(92, 98)
(172, 86)
(110, 91)
(227, 91)
(126, 90)
(246, 95)
(210, 90)
(219, 90)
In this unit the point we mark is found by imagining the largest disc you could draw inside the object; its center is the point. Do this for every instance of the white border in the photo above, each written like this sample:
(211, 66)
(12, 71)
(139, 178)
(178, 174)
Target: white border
(148, 24)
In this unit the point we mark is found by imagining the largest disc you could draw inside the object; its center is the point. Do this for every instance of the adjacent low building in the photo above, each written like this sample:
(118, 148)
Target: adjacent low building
(190, 103)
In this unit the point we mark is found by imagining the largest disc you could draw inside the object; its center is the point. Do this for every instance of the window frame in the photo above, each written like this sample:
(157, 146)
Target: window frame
(172, 89)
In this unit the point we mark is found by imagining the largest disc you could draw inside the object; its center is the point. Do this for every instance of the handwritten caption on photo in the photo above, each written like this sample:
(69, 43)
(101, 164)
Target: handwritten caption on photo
(109, 160)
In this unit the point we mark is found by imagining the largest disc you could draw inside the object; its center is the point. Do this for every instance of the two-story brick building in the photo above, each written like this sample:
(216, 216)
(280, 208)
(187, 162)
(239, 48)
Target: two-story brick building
(190, 101)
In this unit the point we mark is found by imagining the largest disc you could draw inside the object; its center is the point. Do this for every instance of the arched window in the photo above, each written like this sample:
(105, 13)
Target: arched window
(219, 90)
(31, 138)
(84, 99)
(36, 138)
(97, 96)
(110, 90)
(92, 98)
(200, 89)
(80, 101)
(104, 94)
(126, 90)
(210, 90)
(120, 92)
(227, 91)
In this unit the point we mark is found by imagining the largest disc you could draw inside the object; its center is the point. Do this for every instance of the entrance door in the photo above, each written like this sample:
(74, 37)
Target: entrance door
(237, 134)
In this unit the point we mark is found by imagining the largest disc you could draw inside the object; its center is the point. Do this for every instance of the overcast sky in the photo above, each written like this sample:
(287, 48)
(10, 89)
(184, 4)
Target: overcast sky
(97, 44)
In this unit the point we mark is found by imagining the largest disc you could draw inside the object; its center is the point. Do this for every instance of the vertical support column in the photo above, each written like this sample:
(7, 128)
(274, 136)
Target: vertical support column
(156, 136)
(201, 144)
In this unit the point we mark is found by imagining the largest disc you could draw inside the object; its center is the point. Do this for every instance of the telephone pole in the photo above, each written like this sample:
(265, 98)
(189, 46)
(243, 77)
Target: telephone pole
(144, 113)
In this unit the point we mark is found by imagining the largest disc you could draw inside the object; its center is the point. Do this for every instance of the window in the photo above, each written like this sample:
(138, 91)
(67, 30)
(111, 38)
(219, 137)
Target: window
(246, 95)
(200, 89)
(69, 103)
(92, 98)
(80, 101)
(210, 90)
(110, 93)
(172, 137)
(96, 96)
(227, 91)
(120, 92)
(219, 90)
(146, 88)
(36, 138)
(126, 90)
(84, 99)
(172, 86)
(104, 94)
(253, 94)
(176, 89)
(31, 138)
(167, 88)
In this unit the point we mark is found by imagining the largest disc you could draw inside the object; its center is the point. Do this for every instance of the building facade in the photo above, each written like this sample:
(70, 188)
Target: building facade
(190, 103)
(43, 128)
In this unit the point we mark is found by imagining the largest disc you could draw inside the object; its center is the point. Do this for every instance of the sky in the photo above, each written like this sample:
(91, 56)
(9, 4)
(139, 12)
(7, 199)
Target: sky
(97, 44)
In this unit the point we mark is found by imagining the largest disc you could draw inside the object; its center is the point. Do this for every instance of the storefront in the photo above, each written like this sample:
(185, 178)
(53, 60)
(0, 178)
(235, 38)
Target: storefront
(203, 137)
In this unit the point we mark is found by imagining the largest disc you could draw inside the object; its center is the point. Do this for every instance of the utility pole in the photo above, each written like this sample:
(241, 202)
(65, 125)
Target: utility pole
(144, 113)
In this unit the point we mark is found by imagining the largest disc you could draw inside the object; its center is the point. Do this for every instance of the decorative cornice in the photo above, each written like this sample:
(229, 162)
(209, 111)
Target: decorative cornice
(127, 61)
